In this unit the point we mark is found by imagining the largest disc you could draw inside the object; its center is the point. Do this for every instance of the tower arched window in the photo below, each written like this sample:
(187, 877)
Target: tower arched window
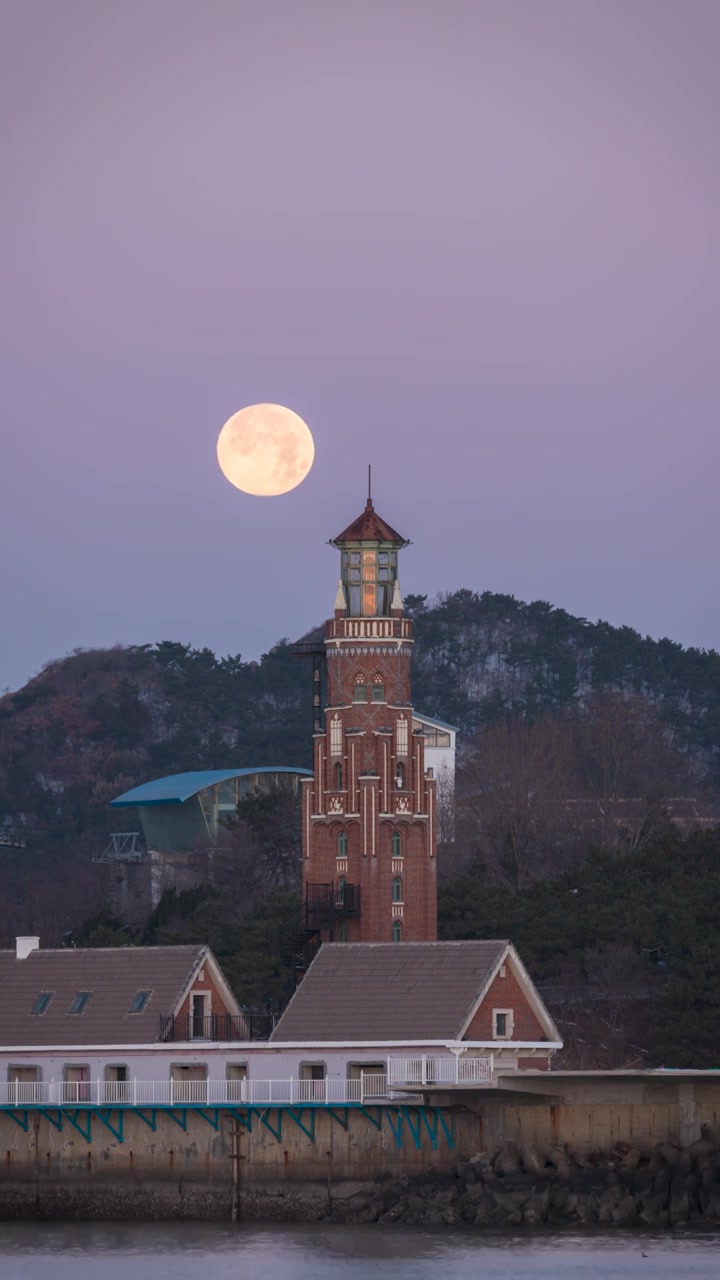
(402, 736)
(360, 692)
(400, 777)
(397, 889)
(336, 736)
(397, 931)
(338, 777)
(396, 845)
(342, 845)
(341, 891)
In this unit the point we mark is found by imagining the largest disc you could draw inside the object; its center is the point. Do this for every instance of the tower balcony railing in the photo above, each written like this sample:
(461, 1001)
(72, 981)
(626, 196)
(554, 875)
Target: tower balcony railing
(369, 629)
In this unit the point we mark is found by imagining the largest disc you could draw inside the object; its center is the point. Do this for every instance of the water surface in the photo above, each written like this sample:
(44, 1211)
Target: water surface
(186, 1251)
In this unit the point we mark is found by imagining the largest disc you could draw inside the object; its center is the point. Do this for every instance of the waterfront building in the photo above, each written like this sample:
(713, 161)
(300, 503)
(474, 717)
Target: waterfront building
(140, 1025)
(473, 999)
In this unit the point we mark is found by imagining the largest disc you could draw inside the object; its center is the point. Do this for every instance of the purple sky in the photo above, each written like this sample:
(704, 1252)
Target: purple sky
(474, 242)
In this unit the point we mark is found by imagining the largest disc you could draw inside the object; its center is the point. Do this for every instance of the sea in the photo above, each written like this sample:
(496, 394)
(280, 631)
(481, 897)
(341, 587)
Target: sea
(192, 1251)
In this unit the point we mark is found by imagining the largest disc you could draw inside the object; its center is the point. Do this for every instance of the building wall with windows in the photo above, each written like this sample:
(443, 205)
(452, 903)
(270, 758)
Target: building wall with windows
(198, 1061)
(440, 744)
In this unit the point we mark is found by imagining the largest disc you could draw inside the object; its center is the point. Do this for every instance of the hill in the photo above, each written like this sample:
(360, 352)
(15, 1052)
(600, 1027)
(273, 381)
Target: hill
(519, 680)
(95, 723)
(478, 657)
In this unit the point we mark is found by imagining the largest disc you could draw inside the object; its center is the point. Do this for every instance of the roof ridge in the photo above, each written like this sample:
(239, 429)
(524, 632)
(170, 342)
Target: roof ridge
(438, 942)
(148, 946)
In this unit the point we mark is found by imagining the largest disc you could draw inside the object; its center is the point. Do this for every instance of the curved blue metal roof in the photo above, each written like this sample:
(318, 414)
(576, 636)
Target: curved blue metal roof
(178, 787)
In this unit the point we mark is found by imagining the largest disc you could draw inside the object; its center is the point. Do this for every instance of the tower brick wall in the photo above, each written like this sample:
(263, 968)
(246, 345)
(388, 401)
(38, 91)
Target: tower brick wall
(369, 812)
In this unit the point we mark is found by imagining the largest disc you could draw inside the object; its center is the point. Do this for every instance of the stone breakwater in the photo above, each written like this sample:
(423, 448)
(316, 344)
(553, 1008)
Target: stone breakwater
(667, 1186)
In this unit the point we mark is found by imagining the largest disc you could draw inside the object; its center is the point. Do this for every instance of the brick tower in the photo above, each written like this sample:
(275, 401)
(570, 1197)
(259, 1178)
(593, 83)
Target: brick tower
(369, 842)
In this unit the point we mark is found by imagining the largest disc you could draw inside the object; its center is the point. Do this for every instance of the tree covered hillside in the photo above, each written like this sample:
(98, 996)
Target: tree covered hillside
(574, 736)
(99, 721)
(478, 657)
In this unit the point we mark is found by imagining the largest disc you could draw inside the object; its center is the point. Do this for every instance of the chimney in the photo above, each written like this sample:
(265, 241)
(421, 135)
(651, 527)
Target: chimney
(23, 947)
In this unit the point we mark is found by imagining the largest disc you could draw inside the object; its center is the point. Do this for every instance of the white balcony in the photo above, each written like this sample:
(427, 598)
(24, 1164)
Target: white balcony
(448, 1070)
(202, 1093)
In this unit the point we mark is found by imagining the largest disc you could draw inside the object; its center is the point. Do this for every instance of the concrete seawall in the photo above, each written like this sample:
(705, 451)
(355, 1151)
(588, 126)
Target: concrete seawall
(276, 1171)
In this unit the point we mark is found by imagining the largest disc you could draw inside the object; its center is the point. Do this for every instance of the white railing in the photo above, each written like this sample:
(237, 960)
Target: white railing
(446, 1070)
(373, 1086)
(179, 1093)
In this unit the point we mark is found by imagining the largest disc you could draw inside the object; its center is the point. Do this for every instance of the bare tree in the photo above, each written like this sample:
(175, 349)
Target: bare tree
(627, 768)
(513, 810)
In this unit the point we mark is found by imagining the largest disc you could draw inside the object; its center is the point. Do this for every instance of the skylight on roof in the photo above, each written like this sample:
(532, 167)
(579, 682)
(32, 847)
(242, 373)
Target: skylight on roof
(140, 999)
(79, 1002)
(42, 1001)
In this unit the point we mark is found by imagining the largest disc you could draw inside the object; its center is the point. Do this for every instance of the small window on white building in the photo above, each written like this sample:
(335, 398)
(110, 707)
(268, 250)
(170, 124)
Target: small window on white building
(235, 1074)
(313, 1071)
(236, 1071)
(502, 1024)
(336, 736)
(77, 1082)
(188, 1071)
(23, 1075)
(402, 736)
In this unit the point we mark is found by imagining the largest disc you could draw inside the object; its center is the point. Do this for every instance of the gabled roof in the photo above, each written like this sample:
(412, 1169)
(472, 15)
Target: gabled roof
(112, 975)
(176, 788)
(369, 527)
(378, 991)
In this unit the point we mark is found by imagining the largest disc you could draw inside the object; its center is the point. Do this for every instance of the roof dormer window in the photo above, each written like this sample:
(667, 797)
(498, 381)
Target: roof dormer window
(140, 999)
(42, 1002)
(79, 1002)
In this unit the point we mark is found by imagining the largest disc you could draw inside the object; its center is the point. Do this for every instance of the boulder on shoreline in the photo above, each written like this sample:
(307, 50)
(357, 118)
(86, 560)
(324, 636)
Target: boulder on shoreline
(667, 1186)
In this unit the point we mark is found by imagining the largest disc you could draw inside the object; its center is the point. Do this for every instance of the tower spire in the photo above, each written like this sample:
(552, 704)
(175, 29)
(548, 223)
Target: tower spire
(369, 485)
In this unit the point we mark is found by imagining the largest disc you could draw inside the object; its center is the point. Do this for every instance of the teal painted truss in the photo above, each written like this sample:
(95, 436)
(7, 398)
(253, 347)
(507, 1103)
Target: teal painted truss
(419, 1122)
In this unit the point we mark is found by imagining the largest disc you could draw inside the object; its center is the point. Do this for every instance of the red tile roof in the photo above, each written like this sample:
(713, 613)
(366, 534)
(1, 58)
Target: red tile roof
(369, 527)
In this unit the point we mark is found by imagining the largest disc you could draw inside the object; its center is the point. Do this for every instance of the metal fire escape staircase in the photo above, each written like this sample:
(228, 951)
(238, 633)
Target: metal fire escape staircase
(299, 937)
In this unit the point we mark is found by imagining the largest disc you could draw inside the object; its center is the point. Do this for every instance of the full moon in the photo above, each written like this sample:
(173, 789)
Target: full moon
(265, 450)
